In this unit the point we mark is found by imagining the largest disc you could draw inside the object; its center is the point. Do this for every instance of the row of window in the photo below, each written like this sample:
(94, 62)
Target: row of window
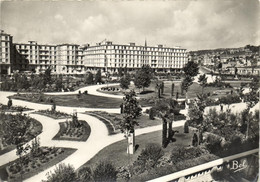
(126, 47)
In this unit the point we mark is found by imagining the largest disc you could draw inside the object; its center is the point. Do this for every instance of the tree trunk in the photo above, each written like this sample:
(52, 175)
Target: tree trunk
(164, 133)
(170, 133)
(131, 143)
(172, 92)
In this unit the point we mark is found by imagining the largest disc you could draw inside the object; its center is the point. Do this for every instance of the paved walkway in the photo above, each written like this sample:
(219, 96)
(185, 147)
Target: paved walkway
(92, 90)
(98, 139)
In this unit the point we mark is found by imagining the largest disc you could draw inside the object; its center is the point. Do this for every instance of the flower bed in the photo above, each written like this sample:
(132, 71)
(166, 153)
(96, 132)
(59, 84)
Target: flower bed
(113, 120)
(46, 157)
(110, 89)
(69, 131)
(13, 108)
(35, 129)
(53, 114)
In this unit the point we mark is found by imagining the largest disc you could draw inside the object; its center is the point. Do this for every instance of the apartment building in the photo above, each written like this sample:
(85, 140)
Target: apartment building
(74, 59)
(63, 59)
(6, 53)
(110, 57)
(70, 59)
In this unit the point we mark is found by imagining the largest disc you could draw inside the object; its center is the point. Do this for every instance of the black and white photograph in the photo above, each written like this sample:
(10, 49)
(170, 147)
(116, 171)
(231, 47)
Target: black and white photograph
(129, 90)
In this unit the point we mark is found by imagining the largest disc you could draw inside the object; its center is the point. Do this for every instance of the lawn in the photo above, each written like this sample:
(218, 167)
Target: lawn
(116, 153)
(90, 101)
(193, 90)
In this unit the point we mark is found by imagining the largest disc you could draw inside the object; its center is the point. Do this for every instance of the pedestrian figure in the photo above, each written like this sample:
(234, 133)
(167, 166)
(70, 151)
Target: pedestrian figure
(221, 107)
(9, 103)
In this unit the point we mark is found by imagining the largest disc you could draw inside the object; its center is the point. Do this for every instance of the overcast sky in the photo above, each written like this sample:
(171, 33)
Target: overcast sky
(189, 24)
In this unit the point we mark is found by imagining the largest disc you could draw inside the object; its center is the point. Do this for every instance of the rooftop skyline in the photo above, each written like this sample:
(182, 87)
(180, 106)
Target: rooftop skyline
(190, 24)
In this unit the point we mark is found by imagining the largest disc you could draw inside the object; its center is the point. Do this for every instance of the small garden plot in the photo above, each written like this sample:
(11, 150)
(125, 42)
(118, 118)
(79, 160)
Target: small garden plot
(8, 121)
(34, 162)
(13, 108)
(53, 114)
(113, 120)
(76, 131)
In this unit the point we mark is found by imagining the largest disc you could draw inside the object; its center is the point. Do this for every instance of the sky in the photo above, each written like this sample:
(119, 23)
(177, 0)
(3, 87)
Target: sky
(194, 25)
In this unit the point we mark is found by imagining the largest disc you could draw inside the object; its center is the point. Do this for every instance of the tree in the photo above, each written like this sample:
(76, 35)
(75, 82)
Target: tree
(90, 78)
(9, 103)
(253, 62)
(172, 90)
(120, 72)
(125, 81)
(62, 173)
(164, 109)
(16, 131)
(132, 110)
(203, 82)
(98, 77)
(47, 76)
(158, 88)
(143, 77)
(191, 69)
(186, 83)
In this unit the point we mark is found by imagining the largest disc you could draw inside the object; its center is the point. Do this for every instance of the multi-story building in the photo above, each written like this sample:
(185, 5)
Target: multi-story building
(63, 59)
(70, 59)
(111, 57)
(6, 53)
(73, 59)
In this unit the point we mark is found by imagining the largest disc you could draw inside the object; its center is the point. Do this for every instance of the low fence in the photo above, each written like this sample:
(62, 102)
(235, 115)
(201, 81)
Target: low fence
(203, 172)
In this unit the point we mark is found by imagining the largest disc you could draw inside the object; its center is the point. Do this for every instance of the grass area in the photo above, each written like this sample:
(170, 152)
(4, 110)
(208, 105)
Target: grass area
(39, 166)
(116, 153)
(194, 89)
(90, 101)
(73, 134)
(53, 114)
(112, 120)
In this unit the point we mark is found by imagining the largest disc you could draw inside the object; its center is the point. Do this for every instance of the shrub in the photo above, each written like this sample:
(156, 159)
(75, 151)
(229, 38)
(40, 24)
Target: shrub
(148, 158)
(186, 127)
(151, 114)
(85, 174)
(62, 173)
(181, 153)
(213, 143)
(105, 171)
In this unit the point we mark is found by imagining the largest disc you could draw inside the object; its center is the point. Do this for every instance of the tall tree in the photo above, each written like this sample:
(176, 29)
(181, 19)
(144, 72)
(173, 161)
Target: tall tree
(143, 77)
(47, 76)
(203, 81)
(125, 81)
(131, 110)
(89, 78)
(165, 110)
(98, 77)
(191, 69)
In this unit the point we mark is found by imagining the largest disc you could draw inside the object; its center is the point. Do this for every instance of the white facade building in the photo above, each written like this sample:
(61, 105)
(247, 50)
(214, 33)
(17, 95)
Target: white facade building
(111, 57)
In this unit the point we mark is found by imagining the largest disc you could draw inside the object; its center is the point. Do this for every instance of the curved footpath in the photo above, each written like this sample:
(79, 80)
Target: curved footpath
(92, 90)
(98, 138)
